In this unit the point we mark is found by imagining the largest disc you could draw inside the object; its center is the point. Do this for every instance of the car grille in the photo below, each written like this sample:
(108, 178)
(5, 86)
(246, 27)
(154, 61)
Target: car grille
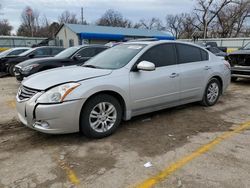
(25, 93)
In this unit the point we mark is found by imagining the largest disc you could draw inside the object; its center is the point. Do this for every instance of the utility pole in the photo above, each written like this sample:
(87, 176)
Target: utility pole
(82, 14)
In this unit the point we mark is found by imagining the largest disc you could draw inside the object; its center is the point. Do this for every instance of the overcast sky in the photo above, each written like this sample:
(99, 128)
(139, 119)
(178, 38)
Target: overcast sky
(93, 9)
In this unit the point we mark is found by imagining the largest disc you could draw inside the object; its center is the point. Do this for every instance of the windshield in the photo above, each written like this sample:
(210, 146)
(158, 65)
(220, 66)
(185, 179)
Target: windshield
(27, 52)
(67, 53)
(247, 47)
(5, 53)
(116, 57)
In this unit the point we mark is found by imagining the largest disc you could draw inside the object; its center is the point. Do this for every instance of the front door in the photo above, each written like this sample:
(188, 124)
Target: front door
(159, 87)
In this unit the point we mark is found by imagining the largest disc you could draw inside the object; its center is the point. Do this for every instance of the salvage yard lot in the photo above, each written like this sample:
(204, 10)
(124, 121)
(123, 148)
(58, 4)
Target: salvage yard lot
(32, 159)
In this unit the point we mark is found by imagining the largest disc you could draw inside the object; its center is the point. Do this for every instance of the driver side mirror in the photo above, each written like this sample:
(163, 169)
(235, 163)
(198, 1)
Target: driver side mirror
(146, 66)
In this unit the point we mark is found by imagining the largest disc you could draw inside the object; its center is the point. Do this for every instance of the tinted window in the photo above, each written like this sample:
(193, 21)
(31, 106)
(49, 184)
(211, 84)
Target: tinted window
(99, 50)
(188, 53)
(55, 51)
(161, 55)
(17, 52)
(204, 55)
(42, 52)
(87, 52)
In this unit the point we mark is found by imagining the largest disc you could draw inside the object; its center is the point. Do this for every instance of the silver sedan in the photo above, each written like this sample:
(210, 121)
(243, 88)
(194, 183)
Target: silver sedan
(125, 81)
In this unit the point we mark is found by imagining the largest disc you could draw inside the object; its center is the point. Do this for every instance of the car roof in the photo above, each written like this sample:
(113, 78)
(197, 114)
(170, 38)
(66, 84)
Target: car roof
(161, 42)
(20, 48)
(47, 47)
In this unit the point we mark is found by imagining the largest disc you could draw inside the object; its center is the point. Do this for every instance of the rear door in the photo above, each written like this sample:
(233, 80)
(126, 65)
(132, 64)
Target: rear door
(159, 87)
(194, 70)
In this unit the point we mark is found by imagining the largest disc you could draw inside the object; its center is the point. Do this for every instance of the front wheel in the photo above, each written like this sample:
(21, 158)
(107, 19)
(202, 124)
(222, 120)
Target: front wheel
(100, 116)
(212, 92)
(11, 70)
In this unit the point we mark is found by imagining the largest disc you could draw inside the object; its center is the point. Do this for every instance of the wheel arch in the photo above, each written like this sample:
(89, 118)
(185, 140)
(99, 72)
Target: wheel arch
(115, 94)
(220, 80)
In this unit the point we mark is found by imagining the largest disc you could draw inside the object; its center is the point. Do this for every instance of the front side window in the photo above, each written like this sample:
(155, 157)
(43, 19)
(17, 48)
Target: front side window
(161, 55)
(116, 57)
(188, 53)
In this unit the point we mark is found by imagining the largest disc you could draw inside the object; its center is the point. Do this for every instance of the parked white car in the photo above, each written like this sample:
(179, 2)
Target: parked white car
(124, 81)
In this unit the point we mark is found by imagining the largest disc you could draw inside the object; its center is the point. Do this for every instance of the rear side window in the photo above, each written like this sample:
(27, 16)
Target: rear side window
(42, 52)
(189, 54)
(161, 55)
(87, 52)
(55, 51)
(204, 55)
(99, 50)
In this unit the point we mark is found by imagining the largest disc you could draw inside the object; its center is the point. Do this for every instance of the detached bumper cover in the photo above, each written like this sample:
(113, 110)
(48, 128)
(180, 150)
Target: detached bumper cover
(60, 118)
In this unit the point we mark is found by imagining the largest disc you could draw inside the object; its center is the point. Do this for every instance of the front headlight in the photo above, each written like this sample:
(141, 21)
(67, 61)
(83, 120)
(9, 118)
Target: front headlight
(29, 68)
(58, 93)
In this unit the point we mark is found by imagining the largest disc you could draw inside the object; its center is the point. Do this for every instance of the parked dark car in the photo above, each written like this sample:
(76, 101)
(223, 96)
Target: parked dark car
(8, 54)
(214, 44)
(214, 49)
(240, 63)
(39, 52)
(71, 56)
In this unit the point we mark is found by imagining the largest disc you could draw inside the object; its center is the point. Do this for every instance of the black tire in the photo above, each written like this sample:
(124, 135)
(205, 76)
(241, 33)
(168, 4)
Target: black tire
(234, 79)
(85, 126)
(205, 101)
(11, 70)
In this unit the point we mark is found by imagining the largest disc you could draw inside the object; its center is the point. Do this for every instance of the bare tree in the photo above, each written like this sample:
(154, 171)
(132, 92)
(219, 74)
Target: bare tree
(68, 17)
(114, 18)
(181, 25)
(29, 22)
(153, 23)
(174, 23)
(231, 19)
(5, 27)
(206, 11)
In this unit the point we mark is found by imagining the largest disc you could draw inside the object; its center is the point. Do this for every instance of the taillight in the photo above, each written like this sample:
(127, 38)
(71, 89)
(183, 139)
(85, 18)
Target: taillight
(227, 65)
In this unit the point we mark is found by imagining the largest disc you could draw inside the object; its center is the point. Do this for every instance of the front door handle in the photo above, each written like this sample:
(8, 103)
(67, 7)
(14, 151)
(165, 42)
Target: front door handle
(174, 75)
(207, 67)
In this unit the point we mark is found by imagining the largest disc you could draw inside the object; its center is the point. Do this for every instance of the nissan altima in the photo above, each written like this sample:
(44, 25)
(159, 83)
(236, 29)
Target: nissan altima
(122, 82)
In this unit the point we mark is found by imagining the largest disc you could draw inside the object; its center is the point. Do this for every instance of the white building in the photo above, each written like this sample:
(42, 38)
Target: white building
(76, 34)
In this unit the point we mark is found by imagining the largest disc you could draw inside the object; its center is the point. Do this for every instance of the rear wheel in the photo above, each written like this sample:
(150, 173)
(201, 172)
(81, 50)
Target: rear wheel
(100, 116)
(11, 70)
(212, 92)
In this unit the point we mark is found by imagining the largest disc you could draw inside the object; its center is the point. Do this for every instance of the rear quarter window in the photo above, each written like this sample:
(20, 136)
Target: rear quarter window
(204, 55)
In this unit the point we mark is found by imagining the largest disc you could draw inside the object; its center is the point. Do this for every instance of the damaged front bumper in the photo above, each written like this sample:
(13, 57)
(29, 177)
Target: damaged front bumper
(58, 118)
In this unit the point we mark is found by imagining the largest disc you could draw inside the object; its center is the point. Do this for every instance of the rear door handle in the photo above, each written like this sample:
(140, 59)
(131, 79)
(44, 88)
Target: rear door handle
(207, 67)
(174, 75)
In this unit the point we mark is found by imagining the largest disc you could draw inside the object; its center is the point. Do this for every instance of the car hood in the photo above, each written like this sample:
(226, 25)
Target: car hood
(240, 52)
(37, 61)
(50, 78)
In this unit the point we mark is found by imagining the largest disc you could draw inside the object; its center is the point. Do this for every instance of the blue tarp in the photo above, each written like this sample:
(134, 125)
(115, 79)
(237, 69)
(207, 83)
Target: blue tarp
(116, 36)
